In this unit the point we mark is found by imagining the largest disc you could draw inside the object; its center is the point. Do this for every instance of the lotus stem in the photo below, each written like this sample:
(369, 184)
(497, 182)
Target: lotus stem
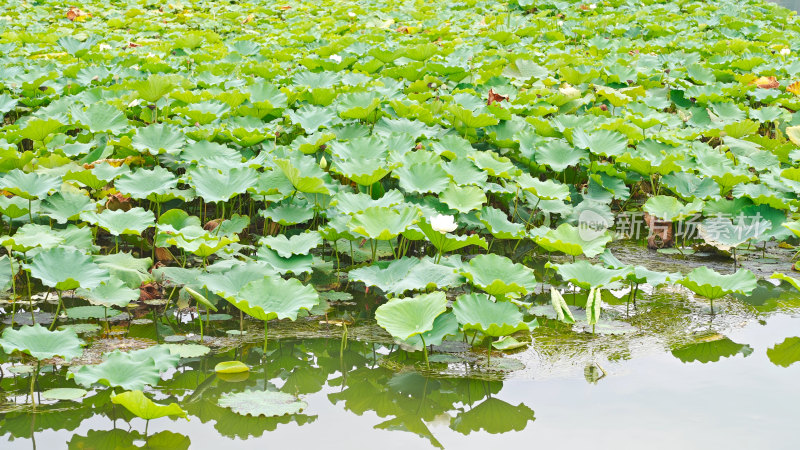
(200, 319)
(33, 383)
(58, 309)
(265, 338)
(13, 289)
(425, 351)
(489, 353)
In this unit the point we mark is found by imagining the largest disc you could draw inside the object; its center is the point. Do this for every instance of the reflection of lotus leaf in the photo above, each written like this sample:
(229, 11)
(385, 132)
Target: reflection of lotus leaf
(494, 416)
(262, 403)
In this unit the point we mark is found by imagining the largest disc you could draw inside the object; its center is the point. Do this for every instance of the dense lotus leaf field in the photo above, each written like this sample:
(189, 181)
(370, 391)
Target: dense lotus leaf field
(431, 185)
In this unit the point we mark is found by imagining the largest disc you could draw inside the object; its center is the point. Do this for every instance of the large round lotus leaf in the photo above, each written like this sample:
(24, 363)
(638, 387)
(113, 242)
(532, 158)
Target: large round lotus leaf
(130, 270)
(219, 186)
(101, 117)
(143, 182)
(91, 312)
(261, 403)
(29, 185)
(299, 244)
(463, 198)
(312, 118)
(139, 405)
(446, 242)
(63, 394)
(497, 223)
(670, 208)
(158, 138)
(791, 280)
(40, 343)
(479, 312)
(231, 367)
(112, 292)
(289, 212)
(445, 325)
(30, 236)
(573, 241)
(133, 370)
(187, 350)
(364, 172)
(383, 223)
(296, 264)
(273, 297)
(422, 178)
(499, 276)
(786, 353)
(494, 416)
(588, 275)
(407, 274)
(65, 268)
(711, 349)
(229, 282)
(712, 285)
(406, 317)
(545, 190)
(65, 206)
(304, 174)
(119, 222)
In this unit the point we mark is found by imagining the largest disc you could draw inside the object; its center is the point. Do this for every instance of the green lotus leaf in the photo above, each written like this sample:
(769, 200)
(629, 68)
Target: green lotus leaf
(101, 118)
(478, 312)
(132, 371)
(601, 142)
(546, 190)
(226, 283)
(495, 165)
(30, 236)
(570, 240)
(670, 208)
(587, 275)
(422, 178)
(295, 264)
(689, 186)
(65, 206)
(185, 351)
(407, 317)
(275, 298)
(560, 307)
(786, 353)
(144, 183)
(559, 155)
(112, 292)
(66, 268)
(791, 280)
(711, 284)
(711, 349)
(364, 172)
(351, 203)
(406, 274)
(178, 221)
(119, 222)
(7, 103)
(29, 185)
(40, 343)
(289, 212)
(299, 244)
(202, 246)
(383, 223)
(63, 394)
(498, 276)
(470, 118)
(153, 88)
(447, 242)
(40, 129)
(498, 224)
(261, 403)
(493, 415)
(139, 405)
(219, 186)
(231, 367)
(125, 267)
(159, 138)
(445, 325)
(312, 118)
(16, 207)
(304, 174)
(358, 105)
(463, 198)
(90, 312)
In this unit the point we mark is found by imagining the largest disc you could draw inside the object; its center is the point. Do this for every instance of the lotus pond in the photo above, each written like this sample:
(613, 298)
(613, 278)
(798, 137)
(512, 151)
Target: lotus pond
(399, 224)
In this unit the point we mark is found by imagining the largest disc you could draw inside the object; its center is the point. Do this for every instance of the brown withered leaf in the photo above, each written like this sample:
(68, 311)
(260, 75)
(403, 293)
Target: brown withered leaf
(766, 82)
(494, 97)
(118, 201)
(794, 88)
(212, 224)
(661, 233)
(149, 291)
(163, 254)
(248, 19)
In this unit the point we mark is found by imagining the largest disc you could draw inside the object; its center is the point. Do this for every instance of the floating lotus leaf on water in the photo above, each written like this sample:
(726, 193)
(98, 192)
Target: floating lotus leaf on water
(508, 343)
(91, 312)
(112, 292)
(40, 343)
(407, 317)
(712, 285)
(494, 416)
(63, 394)
(133, 370)
(711, 349)
(231, 367)
(261, 403)
(786, 353)
(499, 276)
(445, 325)
(139, 405)
(478, 312)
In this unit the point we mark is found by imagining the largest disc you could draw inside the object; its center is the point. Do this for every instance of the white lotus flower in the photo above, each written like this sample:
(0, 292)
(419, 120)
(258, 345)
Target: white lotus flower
(104, 47)
(560, 23)
(785, 52)
(592, 6)
(351, 14)
(568, 91)
(443, 224)
(336, 58)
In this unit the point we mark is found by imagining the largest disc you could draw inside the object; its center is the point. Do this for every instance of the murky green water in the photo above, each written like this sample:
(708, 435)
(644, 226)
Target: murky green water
(664, 374)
